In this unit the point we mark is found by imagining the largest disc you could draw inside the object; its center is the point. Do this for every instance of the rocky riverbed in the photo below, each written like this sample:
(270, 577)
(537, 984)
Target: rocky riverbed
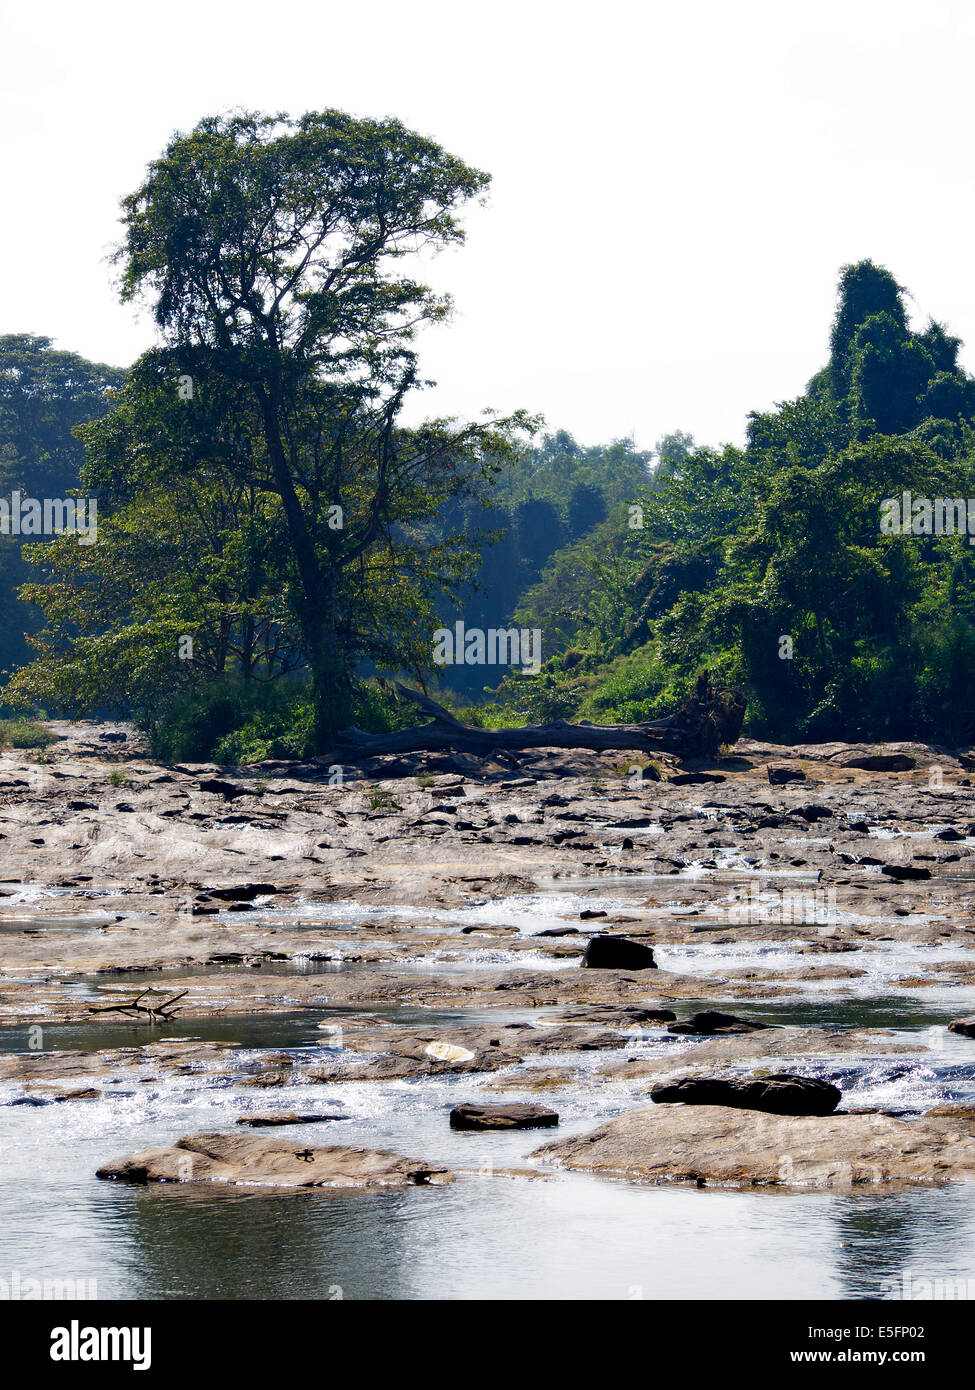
(338, 959)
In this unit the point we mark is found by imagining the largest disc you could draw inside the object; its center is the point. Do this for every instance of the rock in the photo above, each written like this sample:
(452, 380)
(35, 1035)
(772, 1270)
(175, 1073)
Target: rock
(242, 893)
(448, 1052)
(284, 1118)
(964, 1026)
(588, 913)
(783, 1093)
(617, 953)
(502, 1117)
(230, 791)
(902, 872)
(240, 1159)
(779, 776)
(740, 1148)
(397, 1067)
(813, 813)
(622, 1015)
(696, 779)
(710, 1022)
(50, 1094)
(882, 762)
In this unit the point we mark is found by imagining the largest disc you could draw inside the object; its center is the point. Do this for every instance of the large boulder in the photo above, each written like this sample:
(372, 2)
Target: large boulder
(964, 1026)
(617, 953)
(242, 1159)
(711, 1023)
(780, 1094)
(502, 1117)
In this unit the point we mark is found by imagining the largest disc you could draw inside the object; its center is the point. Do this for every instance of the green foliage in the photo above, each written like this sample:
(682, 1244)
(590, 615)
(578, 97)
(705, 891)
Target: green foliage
(44, 395)
(25, 733)
(234, 722)
(742, 550)
(280, 514)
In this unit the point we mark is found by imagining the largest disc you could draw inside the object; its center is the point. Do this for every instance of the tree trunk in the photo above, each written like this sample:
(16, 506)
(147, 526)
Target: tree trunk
(708, 721)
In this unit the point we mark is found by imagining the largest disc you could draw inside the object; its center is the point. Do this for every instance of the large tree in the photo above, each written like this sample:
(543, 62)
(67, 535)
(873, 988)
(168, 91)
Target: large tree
(276, 256)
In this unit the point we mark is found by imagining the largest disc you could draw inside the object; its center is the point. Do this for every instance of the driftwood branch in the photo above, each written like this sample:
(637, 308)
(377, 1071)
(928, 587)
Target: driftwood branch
(709, 720)
(144, 1013)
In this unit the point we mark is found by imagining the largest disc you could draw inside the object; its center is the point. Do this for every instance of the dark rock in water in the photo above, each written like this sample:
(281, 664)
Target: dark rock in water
(618, 953)
(780, 1094)
(243, 893)
(905, 871)
(814, 813)
(502, 1117)
(622, 1015)
(882, 762)
(51, 1096)
(778, 776)
(696, 779)
(284, 1118)
(559, 931)
(964, 1026)
(588, 913)
(950, 835)
(710, 1021)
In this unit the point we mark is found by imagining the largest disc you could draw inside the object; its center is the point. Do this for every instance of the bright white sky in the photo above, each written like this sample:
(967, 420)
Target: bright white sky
(675, 184)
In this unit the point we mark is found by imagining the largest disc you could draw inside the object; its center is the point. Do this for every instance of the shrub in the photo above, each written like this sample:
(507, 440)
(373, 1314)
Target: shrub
(25, 733)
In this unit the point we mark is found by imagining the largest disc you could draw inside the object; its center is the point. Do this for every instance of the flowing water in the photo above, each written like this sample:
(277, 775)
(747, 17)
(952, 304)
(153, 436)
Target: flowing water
(489, 1235)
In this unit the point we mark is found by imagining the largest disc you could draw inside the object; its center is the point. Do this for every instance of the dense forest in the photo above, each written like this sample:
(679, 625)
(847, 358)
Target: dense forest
(272, 537)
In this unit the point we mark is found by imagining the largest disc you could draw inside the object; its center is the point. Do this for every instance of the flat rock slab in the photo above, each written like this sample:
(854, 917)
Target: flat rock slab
(285, 1118)
(734, 1148)
(502, 1117)
(252, 1159)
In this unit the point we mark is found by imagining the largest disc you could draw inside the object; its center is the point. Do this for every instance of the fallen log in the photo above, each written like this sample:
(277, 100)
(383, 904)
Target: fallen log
(708, 721)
